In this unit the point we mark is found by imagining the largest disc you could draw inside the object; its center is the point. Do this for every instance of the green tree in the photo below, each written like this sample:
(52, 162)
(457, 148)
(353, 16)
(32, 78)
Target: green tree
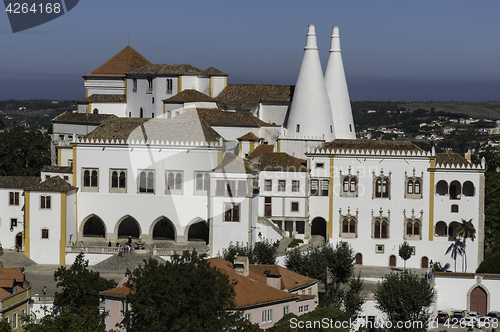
(4, 326)
(325, 319)
(80, 286)
(405, 297)
(23, 151)
(490, 265)
(87, 320)
(405, 252)
(466, 230)
(185, 294)
(492, 208)
(353, 299)
(264, 252)
(455, 249)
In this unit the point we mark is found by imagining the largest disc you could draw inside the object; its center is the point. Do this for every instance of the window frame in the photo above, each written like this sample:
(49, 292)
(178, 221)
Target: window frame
(232, 212)
(381, 187)
(295, 185)
(45, 234)
(281, 185)
(13, 198)
(45, 202)
(149, 85)
(268, 185)
(205, 183)
(378, 228)
(294, 204)
(118, 188)
(134, 85)
(169, 86)
(147, 189)
(90, 184)
(177, 183)
(413, 186)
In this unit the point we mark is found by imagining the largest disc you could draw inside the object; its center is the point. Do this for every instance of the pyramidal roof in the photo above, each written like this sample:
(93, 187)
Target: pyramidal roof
(124, 61)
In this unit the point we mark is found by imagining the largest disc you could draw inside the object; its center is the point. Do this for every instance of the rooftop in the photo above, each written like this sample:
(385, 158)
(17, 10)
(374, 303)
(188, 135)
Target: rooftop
(277, 161)
(216, 117)
(57, 169)
(451, 158)
(151, 69)
(233, 164)
(289, 279)
(366, 144)
(19, 182)
(55, 184)
(103, 98)
(124, 61)
(189, 96)
(248, 96)
(263, 148)
(81, 118)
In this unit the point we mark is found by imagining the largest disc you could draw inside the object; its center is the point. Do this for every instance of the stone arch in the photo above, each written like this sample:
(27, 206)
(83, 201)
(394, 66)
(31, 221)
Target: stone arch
(452, 231)
(468, 188)
(359, 258)
(442, 188)
(93, 226)
(19, 240)
(128, 226)
(318, 227)
(441, 229)
(455, 190)
(478, 293)
(163, 229)
(392, 261)
(197, 230)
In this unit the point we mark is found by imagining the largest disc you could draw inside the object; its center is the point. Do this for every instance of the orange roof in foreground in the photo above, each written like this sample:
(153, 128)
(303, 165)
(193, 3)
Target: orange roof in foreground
(250, 291)
(289, 279)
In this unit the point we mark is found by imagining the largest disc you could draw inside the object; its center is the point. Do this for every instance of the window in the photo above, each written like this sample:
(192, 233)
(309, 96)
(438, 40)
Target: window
(134, 83)
(202, 182)
(175, 181)
(152, 102)
(14, 198)
(413, 186)
(118, 181)
(348, 226)
(298, 128)
(90, 179)
(123, 308)
(286, 310)
(242, 189)
(66, 178)
(23, 313)
(45, 233)
(381, 186)
(231, 188)
(380, 228)
(169, 86)
(14, 321)
(324, 187)
(310, 291)
(295, 185)
(268, 212)
(412, 229)
(320, 165)
(44, 202)
(150, 85)
(379, 248)
(248, 317)
(267, 316)
(146, 181)
(454, 208)
(315, 189)
(306, 308)
(295, 207)
(281, 185)
(268, 185)
(231, 212)
(13, 222)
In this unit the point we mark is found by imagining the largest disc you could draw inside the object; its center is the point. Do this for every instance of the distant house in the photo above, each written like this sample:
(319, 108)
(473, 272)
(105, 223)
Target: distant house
(15, 295)
(264, 293)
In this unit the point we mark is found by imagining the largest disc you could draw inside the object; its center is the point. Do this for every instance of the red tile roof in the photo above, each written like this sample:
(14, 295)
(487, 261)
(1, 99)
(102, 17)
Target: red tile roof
(124, 61)
(263, 148)
(189, 96)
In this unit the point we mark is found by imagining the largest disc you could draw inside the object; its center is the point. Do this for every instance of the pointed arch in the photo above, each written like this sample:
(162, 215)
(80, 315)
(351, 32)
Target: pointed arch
(478, 298)
(318, 227)
(197, 230)
(163, 229)
(93, 226)
(128, 226)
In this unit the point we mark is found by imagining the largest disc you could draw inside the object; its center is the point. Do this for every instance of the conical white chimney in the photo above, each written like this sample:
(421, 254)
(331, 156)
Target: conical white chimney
(336, 86)
(310, 112)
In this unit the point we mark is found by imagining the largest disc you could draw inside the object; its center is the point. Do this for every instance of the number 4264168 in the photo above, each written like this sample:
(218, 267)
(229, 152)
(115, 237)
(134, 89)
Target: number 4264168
(24, 8)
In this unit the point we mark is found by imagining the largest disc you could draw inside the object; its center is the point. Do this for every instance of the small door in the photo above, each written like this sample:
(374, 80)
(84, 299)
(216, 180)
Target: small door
(425, 263)
(359, 259)
(478, 301)
(392, 261)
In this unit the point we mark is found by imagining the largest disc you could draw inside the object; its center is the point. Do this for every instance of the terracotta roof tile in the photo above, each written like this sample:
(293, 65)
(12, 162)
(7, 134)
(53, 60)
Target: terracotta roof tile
(249, 291)
(451, 158)
(189, 96)
(366, 144)
(263, 148)
(54, 184)
(216, 117)
(124, 61)
(277, 161)
(4, 293)
(121, 290)
(103, 98)
(82, 118)
(211, 71)
(57, 169)
(248, 96)
(289, 279)
(18, 182)
(248, 137)
(165, 69)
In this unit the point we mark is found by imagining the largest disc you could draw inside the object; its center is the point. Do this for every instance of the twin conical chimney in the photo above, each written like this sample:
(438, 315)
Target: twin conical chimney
(310, 113)
(336, 85)
(321, 106)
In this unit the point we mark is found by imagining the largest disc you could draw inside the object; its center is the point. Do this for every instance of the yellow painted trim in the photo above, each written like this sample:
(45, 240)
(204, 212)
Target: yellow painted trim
(59, 156)
(330, 201)
(179, 84)
(62, 241)
(27, 223)
(220, 156)
(125, 84)
(86, 90)
(240, 148)
(89, 107)
(252, 146)
(225, 81)
(74, 165)
(211, 86)
(279, 145)
(431, 200)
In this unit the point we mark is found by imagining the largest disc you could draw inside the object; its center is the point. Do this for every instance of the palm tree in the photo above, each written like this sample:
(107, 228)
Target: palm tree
(466, 230)
(456, 248)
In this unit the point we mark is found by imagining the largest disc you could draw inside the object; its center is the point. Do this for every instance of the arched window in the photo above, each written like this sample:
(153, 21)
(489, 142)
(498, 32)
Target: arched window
(114, 179)
(122, 183)
(142, 182)
(170, 181)
(378, 192)
(345, 226)
(416, 228)
(86, 178)
(441, 229)
(151, 182)
(147, 181)
(417, 187)
(385, 188)
(178, 181)
(353, 185)
(199, 181)
(377, 230)
(468, 188)
(346, 184)
(352, 226)
(442, 188)
(384, 234)
(455, 190)
(359, 259)
(410, 187)
(93, 179)
(409, 228)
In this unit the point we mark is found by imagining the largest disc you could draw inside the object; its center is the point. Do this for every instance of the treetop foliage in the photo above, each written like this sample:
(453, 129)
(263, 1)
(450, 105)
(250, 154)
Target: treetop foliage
(490, 265)
(263, 252)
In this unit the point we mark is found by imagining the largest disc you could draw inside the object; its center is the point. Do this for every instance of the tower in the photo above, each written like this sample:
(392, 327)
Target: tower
(336, 85)
(310, 112)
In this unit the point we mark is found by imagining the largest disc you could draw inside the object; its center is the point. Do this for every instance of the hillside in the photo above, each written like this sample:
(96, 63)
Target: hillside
(482, 110)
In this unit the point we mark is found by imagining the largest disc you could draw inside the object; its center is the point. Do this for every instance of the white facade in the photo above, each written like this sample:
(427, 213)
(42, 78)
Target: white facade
(11, 217)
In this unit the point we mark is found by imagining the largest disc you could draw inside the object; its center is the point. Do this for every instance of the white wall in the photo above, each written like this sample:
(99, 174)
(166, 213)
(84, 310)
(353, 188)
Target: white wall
(8, 212)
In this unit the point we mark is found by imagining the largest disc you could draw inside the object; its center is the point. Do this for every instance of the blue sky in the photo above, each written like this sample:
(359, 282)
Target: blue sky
(392, 50)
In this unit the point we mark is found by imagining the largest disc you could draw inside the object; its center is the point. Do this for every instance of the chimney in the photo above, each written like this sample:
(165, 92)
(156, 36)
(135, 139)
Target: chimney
(310, 112)
(241, 265)
(336, 85)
